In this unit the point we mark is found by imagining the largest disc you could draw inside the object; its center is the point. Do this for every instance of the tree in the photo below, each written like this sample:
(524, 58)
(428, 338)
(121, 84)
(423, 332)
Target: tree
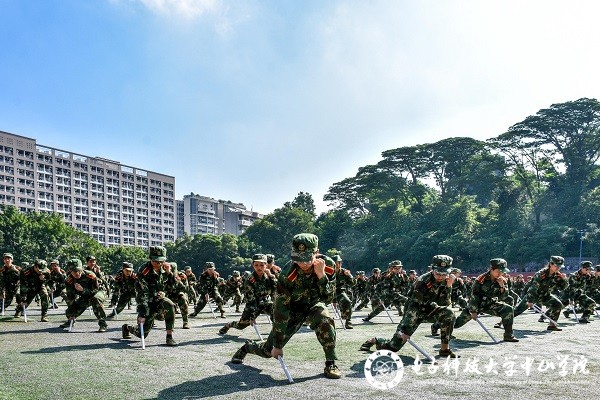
(303, 201)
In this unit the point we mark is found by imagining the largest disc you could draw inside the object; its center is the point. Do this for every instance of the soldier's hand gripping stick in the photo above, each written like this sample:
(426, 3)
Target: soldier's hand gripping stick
(486, 330)
(285, 370)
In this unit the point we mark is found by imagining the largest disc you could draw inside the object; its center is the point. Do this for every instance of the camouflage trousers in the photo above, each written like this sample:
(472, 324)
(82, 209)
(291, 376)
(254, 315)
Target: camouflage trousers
(181, 299)
(237, 297)
(552, 302)
(250, 314)
(413, 317)
(344, 305)
(586, 304)
(498, 308)
(318, 319)
(202, 301)
(28, 296)
(9, 295)
(79, 305)
(157, 307)
(124, 298)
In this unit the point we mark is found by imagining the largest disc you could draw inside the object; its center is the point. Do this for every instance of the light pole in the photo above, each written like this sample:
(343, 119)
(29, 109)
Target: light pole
(581, 233)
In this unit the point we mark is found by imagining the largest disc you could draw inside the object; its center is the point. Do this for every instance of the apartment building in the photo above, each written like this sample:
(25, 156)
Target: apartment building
(198, 214)
(115, 203)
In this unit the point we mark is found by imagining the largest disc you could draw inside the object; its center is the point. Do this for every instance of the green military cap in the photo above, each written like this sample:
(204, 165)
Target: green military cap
(220, 280)
(127, 265)
(182, 274)
(412, 271)
(260, 258)
(236, 273)
(9, 255)
(158, 253)
(74, 264)
(360, 272)
(499, 263)
(90, 258)
(395, 263)
(557, 260)
(209, 265)
(187, 268)
(54, 262)
(376, 270)
(41, 264)
(585, 264)
(304, 246)
(24, 264)
(441, 263)
(270, 258)
(337, 258)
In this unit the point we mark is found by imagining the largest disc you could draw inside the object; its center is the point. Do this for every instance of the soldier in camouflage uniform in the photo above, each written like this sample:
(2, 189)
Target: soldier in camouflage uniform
(543, 289)
(191, 280)
(208, 287)
(151, 299)
(459, 290)
(93, 266)
(489, 295)
(232, 289)
(83, 290)
(576, 292)
(9, 280)
(389, 290)
(429, 301)
(34, 282)
(177, 291)
(271, 266)
(374, 279)
(360, 290)
(258, 290)
(594, 287)
(57, 282)
(344, 282)
(124, 288)
(304, 289)
(518, 286)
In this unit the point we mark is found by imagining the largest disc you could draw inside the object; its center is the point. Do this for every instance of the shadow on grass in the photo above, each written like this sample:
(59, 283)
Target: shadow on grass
(242, 379)
(116, 344)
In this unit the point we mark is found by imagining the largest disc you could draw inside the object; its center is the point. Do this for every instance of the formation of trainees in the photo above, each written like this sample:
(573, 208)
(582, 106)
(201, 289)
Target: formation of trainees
(311, 290)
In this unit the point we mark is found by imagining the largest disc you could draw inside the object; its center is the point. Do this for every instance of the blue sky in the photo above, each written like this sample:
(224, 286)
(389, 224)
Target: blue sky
(255, 101)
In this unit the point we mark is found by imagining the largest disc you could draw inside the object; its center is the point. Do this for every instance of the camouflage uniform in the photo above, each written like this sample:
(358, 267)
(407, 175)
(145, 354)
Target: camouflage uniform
(91, 295)
(373, 280)
(57, 283)
(151, 299)
(389, 291)
(177, 291)
(258, 290)
(9, 280)
(34, 283)
(593, 289)
(300, 297)
(344, 281)
(488, 296)
(576, 292)
(459, 290)
(208, 287)
(100, 275)
(429, 300)
(543, 289)
(232, 289)
(518, 286)
(191, 280)
(124, 288)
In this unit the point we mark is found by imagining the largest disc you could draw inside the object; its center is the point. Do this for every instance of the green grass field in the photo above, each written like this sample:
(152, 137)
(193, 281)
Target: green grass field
(41, 361)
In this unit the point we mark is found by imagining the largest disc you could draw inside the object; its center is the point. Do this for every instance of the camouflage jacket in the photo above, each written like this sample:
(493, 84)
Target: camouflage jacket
(175, 286)
(372, 283)
(123, 284)
(57, 279)
(427, 294)
(543, 284)
(150, 286)
(88, 281)
(390, 286)
(32, 281)
(9, 279)
(258, 291)
(485, 292)
(207, 285)
(578, 284)
(298, 292)
(343, 282)
(518, 287)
